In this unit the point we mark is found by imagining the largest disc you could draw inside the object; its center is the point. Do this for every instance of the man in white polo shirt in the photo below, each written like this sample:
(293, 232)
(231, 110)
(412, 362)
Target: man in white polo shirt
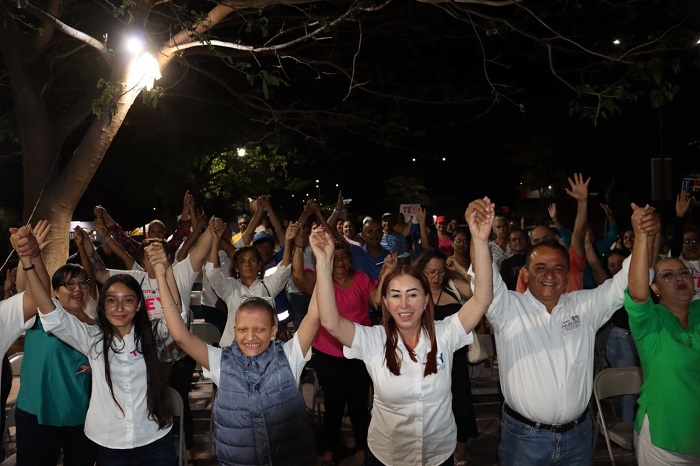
(545, 339)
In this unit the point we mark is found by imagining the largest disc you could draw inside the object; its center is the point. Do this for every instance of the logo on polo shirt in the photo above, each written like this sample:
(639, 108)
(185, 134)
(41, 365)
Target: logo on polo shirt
(571, 324)
(440, 362)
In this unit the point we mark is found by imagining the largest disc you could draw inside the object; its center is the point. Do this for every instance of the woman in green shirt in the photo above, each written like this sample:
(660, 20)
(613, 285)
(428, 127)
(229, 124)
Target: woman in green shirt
(55, 391)
(667, 335)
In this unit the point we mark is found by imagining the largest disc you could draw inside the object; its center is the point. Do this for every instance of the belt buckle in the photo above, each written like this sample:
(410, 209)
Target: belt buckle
(557, 428)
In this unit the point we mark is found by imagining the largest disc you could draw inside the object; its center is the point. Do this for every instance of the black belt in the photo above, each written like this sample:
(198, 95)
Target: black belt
(556, 428)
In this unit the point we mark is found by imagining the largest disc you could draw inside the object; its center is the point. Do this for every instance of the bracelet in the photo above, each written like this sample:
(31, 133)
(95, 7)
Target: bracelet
(299, 246)
(108, 239)
(335, 209)
(170, 305)
(31, 267)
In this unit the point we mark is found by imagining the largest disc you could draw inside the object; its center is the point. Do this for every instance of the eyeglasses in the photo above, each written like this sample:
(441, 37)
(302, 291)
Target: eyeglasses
(432, 273)
(695, 240)
(459, 241)
(668, 275)
(83, 284)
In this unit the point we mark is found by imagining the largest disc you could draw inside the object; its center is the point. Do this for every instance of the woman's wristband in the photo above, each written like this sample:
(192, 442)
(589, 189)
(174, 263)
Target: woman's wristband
(31, 267)
(170, 305)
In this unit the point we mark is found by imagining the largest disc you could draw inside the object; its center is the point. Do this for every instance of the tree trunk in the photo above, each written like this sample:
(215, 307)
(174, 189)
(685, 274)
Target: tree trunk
(59, 201)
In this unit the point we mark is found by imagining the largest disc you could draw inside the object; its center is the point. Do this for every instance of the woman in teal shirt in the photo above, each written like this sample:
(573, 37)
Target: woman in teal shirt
(667, 335)
(55, 386)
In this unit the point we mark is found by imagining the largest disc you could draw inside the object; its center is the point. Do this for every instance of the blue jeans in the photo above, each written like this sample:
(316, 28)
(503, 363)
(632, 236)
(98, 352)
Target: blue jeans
(622, 352)
(523, 445)
(158, 453)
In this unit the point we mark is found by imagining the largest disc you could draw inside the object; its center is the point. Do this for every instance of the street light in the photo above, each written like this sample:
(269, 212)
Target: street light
(144, 69)
(241, 152)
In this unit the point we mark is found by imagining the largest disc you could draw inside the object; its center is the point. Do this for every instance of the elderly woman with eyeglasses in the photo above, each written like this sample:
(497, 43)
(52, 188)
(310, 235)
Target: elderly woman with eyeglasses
(667, 336)
(54, 395)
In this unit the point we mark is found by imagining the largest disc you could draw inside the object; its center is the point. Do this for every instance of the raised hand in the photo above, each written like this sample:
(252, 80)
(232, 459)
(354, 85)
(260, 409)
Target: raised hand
(321, 244)
(579, 188)
(217, 226)
(480, 214)
(390, 263)
(24, 242)
(41, 231)
(79, 235)
(645, 220)
(339, 204)
(157, 257)
(552, 209)
(101, 229)
(419, 212)
(102, 215)
(683, 200)
(291, 232)
(188, 201)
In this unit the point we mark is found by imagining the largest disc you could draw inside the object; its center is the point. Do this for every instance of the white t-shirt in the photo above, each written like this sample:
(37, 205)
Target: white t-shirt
(412, 421)
(291, 349)
(184, 277)
(105, 424)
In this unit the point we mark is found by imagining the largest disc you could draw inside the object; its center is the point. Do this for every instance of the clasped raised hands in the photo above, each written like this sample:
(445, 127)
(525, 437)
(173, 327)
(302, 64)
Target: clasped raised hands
(479, 215)
(645, 220)
(321, 244)
(157, 257)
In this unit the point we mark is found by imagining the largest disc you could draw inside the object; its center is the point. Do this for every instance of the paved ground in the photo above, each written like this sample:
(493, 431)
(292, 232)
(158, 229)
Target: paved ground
(483, 451)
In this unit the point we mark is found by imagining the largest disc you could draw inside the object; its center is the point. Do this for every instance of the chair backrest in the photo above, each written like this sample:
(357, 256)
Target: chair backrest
(8, 440)
(16, 363)
(615, 381)
(206, 331)
(179, 410)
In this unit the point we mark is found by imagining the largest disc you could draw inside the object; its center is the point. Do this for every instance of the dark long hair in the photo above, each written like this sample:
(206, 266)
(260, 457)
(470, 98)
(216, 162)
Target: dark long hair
(158, 398)
(391, 356)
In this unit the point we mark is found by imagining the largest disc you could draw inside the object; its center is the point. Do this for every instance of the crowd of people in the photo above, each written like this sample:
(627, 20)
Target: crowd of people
(383, 313)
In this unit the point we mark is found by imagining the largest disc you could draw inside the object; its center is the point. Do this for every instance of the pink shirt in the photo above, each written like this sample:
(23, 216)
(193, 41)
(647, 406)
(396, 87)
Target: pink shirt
(445, 246)
(353, 304)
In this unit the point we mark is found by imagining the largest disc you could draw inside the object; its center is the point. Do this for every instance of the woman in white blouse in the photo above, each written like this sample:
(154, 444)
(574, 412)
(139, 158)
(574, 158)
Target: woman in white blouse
(410, 356)
(246, 277)
(129, 416)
